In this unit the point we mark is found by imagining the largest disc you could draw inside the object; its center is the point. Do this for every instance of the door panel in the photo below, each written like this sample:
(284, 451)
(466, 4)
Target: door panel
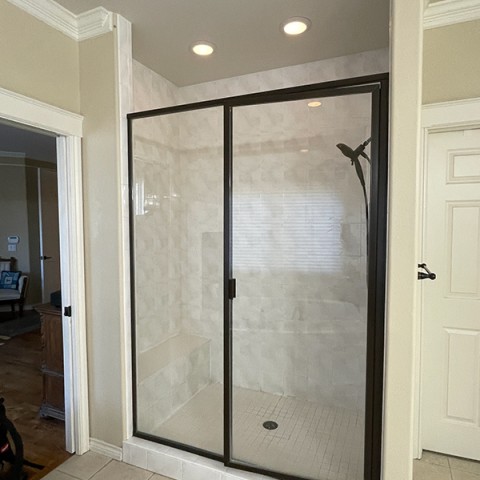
(300, 262)
(451, 328)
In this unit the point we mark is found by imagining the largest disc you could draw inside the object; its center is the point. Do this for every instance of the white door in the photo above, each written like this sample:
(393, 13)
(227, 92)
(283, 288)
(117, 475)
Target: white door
(49, 232)
(451, 303)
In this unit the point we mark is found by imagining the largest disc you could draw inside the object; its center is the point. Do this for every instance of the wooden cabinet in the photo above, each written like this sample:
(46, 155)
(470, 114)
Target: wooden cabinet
(53, 402)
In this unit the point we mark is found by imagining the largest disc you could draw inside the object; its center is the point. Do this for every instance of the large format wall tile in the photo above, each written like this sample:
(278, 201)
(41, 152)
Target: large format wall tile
(299, 319)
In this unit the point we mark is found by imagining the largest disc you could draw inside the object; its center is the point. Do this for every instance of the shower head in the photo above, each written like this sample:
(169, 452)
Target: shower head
(347, 151)
(354, 154)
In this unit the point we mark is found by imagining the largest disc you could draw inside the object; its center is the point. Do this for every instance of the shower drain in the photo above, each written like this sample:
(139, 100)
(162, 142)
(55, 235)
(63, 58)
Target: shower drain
(270, 425)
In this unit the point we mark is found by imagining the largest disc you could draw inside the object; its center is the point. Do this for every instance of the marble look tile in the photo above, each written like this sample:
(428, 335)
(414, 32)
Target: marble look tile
(435, 458)
(84, 466)
(121, 471)
(464, 465)
(462, 475)
(429, 471)
(58, 475)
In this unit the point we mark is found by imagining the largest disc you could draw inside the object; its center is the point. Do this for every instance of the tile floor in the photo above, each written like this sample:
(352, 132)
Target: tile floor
(434, 466)
(93, 466)
(312, 440)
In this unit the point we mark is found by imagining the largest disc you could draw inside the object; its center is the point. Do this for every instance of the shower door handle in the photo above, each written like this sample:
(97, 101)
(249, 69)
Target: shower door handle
(232, 288)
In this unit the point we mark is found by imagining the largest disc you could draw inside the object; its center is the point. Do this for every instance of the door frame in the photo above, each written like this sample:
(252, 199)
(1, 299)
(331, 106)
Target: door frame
(378, 86)
(436, 117)
(67, 126)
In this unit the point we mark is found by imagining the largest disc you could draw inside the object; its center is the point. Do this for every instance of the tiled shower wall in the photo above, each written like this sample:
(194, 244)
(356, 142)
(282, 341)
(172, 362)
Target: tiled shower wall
(286, 339)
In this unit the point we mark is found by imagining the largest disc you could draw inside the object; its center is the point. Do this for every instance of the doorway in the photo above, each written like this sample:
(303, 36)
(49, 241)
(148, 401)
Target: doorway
(449, 375)
(257, 280)
(31, 350)
(67, 128)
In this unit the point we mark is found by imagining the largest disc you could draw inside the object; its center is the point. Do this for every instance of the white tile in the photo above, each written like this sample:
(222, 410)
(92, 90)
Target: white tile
(164, 464)
(135, 455)
(84, 466)
(192, 471)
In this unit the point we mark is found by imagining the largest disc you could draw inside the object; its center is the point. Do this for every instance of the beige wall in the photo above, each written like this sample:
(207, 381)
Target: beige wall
(451, 62)
(37, 60)
(101, 180)
(40, 62)
(13, 212)
(19, 214)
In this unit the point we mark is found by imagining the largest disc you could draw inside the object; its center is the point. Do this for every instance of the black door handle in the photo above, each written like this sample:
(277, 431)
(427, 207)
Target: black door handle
(422, 275)
(45, 257)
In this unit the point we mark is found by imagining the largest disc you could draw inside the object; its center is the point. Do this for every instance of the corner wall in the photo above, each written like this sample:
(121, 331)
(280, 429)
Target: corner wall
(102, 211)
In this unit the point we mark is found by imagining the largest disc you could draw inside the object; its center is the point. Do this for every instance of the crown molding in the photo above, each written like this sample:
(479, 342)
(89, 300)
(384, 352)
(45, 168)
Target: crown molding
(94, 23)
(448, 12)
(79, 27)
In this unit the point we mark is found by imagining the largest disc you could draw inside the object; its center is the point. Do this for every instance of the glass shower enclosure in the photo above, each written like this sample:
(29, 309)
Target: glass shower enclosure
(258, 228)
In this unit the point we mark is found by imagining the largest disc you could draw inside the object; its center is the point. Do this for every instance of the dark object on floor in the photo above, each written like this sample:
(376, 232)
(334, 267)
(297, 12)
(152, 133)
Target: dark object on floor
(11, 449)
(270, 425)
(56, 298)
(11, 327)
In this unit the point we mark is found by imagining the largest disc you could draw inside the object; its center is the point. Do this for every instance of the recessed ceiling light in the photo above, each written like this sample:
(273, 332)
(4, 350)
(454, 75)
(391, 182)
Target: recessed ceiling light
(314, 103)
(296, 25)
(304, 150)
(203, 48)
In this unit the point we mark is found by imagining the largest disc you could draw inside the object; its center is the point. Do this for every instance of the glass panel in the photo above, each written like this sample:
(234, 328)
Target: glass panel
(299, 257)
(178, 258)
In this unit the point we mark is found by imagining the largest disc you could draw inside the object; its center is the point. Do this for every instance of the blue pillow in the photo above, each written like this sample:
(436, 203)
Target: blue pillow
(9, 279)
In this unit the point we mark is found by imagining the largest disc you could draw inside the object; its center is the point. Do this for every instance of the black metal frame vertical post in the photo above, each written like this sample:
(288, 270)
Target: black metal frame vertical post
(131, 214)
(227, 275)
(377, 276)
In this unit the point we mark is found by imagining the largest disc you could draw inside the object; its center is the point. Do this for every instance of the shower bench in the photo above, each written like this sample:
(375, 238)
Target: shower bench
(169, 375)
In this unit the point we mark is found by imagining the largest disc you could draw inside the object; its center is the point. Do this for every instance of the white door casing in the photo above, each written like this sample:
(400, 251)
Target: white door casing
(449, 356)
(68, 127)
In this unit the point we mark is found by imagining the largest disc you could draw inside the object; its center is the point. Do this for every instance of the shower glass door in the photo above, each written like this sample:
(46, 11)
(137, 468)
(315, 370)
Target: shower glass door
(177, 249)
(257, 277)
(301, 180)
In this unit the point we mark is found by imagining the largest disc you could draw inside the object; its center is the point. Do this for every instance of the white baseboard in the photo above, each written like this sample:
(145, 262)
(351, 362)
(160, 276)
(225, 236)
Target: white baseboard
(104, 448)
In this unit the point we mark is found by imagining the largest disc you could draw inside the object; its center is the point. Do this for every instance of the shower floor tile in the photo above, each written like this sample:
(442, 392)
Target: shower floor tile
(311, 441)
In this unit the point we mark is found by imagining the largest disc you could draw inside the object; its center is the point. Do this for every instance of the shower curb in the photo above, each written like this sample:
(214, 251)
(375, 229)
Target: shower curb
(177, 464)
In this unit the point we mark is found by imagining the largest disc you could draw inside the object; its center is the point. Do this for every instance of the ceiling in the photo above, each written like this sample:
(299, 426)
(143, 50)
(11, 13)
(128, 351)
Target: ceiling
(247, 33)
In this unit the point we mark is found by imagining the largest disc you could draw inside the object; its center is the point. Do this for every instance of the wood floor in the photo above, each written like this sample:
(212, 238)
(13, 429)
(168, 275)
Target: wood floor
(21, 386)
